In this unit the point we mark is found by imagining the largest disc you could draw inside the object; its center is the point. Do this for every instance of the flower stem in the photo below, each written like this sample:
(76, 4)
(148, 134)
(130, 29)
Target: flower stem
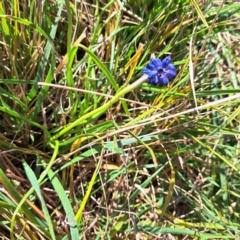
(100, 110)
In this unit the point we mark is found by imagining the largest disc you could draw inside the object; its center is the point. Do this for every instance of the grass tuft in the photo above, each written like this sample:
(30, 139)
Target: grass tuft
(89, 149)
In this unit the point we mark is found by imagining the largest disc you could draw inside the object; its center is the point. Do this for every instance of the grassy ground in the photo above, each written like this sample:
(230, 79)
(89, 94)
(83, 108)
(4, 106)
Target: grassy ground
(87, 154)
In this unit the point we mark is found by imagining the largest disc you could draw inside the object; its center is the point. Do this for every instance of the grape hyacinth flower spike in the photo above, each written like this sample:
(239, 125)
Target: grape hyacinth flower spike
(159, 71)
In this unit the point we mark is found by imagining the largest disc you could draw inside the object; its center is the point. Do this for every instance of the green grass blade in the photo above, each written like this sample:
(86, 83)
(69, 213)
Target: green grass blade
(33, 180)
(65, 203)
(45, 57)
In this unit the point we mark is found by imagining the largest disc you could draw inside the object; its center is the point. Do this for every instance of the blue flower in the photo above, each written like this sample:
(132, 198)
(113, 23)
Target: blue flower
(160, 71)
